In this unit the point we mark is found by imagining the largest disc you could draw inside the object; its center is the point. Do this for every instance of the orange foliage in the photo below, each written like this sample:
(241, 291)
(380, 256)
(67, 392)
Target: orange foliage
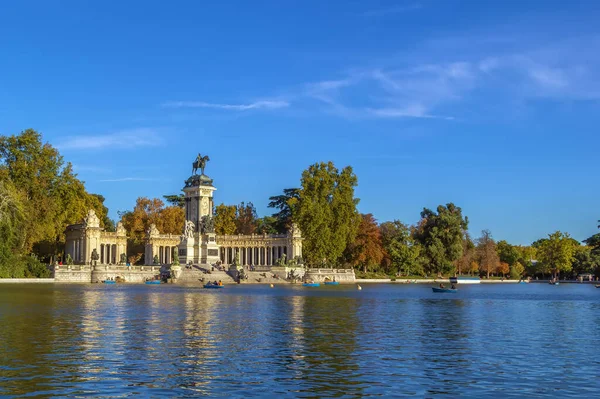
(367, 248)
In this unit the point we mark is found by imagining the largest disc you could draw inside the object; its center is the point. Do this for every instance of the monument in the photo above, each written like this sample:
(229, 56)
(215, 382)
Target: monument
(198, 242)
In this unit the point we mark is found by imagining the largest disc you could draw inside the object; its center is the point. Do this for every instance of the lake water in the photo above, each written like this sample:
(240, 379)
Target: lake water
(517, 340)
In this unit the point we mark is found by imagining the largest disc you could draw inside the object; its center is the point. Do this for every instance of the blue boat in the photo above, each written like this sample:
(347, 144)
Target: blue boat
(214, 286)
(109, 282)
(153, 282)
(332, 283)
(449, 290)
(311, 285)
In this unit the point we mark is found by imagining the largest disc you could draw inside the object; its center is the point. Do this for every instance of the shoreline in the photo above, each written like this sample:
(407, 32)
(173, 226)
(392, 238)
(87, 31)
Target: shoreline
(283, 282)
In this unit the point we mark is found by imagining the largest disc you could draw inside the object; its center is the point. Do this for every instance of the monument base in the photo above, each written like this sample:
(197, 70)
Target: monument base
(186, 251)
(209, 249)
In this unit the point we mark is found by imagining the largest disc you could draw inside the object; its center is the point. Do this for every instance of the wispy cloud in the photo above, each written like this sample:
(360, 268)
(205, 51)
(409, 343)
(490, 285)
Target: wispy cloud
(391, 10)
(263, 104)
(143, 137)
(125, 179)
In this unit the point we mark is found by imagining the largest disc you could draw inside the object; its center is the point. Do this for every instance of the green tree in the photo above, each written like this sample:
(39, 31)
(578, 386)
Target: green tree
(507, 253)
(556, 252)
(102, 212)
(326, 212)
(286, 204)
(225, 219)
(175, 200)
(586, 260)
(366, 250)
(267, 225)
(440, 235)
(517, 270)
(401, 248)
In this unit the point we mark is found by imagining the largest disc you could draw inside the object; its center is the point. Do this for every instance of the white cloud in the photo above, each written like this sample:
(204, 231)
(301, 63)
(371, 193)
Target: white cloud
(263, 104)
(124, 179)
(123, 139)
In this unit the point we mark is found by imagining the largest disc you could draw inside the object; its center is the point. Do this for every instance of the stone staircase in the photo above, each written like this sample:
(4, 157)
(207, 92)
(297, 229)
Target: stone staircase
(201, 274)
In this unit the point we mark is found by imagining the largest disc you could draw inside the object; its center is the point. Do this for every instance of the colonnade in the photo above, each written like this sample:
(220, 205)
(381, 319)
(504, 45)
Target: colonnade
(108, 254)
(255, 256)
(165, 255)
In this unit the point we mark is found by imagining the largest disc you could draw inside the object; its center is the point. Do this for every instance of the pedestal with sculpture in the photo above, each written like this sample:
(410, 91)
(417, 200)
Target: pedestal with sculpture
(187, 253)
(200, 243)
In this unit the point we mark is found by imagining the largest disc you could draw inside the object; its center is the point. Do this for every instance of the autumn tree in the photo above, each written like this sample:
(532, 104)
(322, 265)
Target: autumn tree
(463, 264)
(326, 212)
(556, 252)
(401, 248)
(441, 237)
(366, 250)
(225, 218)
(487, 253)
(245, 218)
(503, 269)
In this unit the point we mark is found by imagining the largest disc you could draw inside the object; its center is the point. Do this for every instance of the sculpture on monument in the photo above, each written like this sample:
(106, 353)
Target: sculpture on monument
(200, 163)
(188, 231)
(207, 224)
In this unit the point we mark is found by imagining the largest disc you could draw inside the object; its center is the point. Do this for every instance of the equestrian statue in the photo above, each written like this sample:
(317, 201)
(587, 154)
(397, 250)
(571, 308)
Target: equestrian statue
(199, 163)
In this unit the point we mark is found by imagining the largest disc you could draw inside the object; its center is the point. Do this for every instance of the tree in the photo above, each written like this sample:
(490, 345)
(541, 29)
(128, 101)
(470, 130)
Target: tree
(586, 260)
(556, 252)
(286, 204)
(172, 220)
(151, 211)
(246, 218)
(52, 195)
(441, 236)
(403, 251)
(267, 225)
(489, 261)
(516, 270)
(463, 264)
(326, 212)
(366, 250)
(507, 253)
(102, 212)
(175, 200)
(175, 258)
(503, 269)
(225, 217)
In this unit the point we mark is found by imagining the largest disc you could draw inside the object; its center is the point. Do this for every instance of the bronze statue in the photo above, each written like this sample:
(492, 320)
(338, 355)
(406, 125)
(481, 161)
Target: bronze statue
(200, 163)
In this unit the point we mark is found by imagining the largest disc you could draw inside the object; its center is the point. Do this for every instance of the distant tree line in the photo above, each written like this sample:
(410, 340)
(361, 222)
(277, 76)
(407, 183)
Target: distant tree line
(40, 194)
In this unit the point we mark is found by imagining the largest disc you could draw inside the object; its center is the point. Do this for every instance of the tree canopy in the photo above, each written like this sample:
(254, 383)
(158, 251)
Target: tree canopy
(441, 234)
(326, 212)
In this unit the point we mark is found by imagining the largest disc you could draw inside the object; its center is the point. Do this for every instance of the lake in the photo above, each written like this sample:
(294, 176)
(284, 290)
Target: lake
(511, 340)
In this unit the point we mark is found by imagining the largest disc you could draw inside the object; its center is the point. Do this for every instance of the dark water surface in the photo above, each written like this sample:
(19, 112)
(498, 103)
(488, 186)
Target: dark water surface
(517, 340)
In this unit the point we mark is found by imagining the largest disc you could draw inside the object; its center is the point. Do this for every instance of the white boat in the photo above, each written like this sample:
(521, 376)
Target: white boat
(465, 280)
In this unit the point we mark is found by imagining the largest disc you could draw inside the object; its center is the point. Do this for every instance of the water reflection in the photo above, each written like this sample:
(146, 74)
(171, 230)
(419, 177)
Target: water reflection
(166, 341)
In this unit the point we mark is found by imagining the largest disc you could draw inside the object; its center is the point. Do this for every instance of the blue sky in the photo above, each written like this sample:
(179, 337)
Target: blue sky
(494, 106)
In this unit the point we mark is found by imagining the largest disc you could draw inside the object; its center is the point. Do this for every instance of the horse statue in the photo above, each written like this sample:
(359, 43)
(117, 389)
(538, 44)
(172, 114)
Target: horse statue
(199, 163)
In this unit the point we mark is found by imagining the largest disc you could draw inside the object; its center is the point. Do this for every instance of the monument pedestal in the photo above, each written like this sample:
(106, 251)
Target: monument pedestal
(186, 250)
(209, 249)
